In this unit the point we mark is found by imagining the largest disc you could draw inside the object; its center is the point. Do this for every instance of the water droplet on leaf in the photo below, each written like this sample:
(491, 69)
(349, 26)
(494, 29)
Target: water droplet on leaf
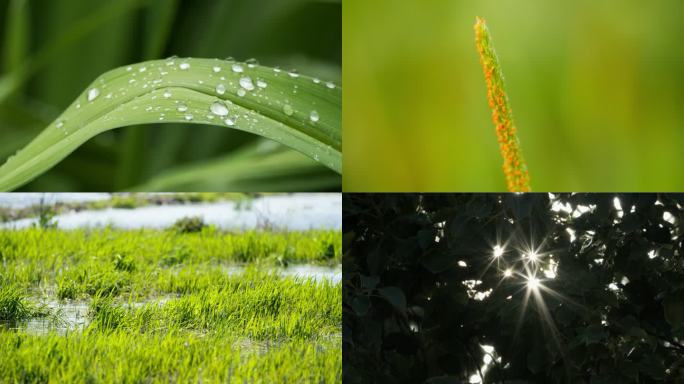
(93, 93)
(219, 109)
(246, 83)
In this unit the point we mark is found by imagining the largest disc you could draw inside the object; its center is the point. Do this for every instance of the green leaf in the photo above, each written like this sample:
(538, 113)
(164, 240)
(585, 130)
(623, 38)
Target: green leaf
(369, 282)
(593, 334)
(298, 111)
(395, 296)
(361, 304)
(250, 168)
(438, 259)
(536, 359)
(674, 310)
(443, 380)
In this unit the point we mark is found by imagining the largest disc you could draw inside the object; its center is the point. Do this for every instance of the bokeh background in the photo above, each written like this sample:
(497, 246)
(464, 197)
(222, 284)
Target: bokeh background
(56, 48)
(596, 86)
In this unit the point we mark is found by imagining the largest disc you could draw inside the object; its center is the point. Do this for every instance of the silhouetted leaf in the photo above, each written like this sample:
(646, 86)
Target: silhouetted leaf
(395, 296)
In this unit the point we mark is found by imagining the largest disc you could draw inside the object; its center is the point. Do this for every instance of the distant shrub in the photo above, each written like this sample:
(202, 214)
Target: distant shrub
(125, 202)
(189, 224)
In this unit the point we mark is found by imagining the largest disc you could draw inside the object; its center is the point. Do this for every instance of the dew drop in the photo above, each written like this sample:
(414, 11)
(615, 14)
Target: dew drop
(188, 117)
(287, 109)
(246, 83)
(184, 66)
(293, 74)
(142, 69)
(93, 93)
(316, 80)
(241, 92)
(216, 69)
(277, 70)
(229, 121)
(59, 124)
(182, 107)
(313, 116)
(330, 85)
(237, 68)
(218, 109)
(261, 84)
(220, 89)
(129, 68)
(167, 94)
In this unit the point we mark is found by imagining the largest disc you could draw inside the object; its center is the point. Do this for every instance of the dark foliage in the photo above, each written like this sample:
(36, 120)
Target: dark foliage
(614, 313)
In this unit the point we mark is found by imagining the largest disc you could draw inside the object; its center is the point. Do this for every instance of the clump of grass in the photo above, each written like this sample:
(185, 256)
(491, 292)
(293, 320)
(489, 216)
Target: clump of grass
(514, 166)
(105, 314)
(13, 305)
(176, 255)
(189, 224)
(67, 289)
(124, 263)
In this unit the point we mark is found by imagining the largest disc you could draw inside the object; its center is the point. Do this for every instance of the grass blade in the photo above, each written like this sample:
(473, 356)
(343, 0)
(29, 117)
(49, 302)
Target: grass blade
(298, 111)
(514, 167)
(263, 166)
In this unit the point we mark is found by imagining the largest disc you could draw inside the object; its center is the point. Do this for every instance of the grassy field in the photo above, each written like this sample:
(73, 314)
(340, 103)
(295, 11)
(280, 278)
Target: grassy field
(163, 307)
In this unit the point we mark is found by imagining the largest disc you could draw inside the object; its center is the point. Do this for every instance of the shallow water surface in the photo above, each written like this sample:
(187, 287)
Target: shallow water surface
(305, 271)
(289, 212)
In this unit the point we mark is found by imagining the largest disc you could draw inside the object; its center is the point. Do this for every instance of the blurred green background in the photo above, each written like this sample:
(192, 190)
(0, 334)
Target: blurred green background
(56, 48)
(596, 86)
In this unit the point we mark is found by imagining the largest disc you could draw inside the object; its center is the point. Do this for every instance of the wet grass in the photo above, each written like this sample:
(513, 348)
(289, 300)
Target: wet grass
(162, 307)
(13, 305)
(84, 262)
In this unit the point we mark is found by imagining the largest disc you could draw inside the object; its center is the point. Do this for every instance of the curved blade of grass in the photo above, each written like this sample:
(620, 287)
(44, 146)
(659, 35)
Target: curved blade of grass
(514, 166)
(298, 111)
(264, 166)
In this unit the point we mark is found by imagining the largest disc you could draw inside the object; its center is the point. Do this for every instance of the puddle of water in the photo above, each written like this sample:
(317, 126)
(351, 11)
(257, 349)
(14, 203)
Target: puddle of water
(70, 316)
(263, 346)
(289, 212)
(305, 271)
